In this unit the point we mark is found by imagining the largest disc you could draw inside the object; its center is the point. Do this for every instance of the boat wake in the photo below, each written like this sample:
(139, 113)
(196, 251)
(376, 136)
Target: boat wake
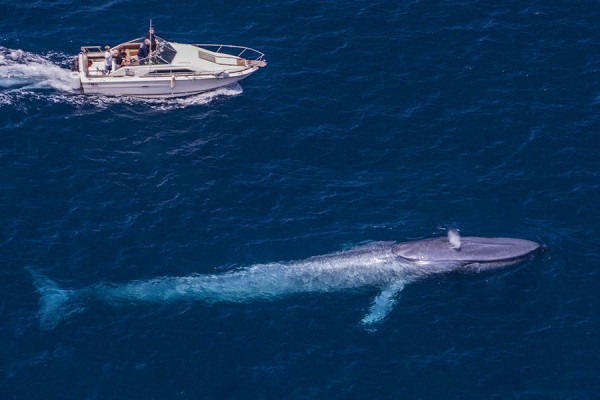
(21, 70)
(26, 76)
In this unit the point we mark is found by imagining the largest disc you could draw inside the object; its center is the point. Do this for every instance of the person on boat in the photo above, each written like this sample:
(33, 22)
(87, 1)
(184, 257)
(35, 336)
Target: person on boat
(119, 57)
(144, 51)
(108, 59)
(152, 37)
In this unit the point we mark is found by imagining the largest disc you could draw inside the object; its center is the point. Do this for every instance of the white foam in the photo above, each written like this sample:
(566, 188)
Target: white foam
(18, 67)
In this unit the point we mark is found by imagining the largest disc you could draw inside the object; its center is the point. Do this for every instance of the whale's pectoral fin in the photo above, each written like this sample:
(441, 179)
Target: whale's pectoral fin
(383, 304)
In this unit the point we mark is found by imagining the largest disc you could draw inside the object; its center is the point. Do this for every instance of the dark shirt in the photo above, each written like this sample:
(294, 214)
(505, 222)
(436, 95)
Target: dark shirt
(143, 52)
(121, 55)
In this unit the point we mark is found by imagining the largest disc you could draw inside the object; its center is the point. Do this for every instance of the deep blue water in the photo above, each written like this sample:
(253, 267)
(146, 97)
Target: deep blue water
(373, 121)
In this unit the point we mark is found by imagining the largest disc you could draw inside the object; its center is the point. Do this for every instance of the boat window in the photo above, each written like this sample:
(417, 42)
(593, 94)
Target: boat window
(171, 71)
(165, 51)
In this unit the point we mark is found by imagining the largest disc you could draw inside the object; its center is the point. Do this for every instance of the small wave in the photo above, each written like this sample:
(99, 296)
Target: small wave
(25, 75)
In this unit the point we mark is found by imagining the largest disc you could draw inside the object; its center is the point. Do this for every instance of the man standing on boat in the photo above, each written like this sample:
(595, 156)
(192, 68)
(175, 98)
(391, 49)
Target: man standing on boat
(107, 59)
(144, 51)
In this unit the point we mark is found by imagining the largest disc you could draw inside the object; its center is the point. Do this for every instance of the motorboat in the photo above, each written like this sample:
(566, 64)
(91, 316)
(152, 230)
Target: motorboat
(171, 70)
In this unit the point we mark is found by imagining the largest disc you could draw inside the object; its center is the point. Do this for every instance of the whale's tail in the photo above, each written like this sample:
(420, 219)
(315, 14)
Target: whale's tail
(56, 304)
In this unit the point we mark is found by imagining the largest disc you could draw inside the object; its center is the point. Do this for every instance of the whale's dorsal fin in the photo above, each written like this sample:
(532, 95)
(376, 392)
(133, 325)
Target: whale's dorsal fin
(383, 303)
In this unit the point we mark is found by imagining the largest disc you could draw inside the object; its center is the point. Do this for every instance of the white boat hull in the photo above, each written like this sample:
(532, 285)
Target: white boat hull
(166, 87)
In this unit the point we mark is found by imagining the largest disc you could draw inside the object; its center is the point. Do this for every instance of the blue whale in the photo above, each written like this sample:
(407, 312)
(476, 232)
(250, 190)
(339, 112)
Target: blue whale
(388, 266)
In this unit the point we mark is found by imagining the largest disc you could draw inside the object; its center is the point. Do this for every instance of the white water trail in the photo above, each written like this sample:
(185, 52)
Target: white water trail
(19, 69)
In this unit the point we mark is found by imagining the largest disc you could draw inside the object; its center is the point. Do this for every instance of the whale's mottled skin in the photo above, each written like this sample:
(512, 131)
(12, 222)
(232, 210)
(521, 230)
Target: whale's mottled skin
(478, 253)
(385, 265)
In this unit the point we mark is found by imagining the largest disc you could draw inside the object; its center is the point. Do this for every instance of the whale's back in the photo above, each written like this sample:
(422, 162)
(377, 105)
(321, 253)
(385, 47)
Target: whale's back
(472, 250)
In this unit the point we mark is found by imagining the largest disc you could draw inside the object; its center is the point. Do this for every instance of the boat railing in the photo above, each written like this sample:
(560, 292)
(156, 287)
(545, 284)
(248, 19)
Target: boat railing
(233, 51)
(91, 49)
(224, 49)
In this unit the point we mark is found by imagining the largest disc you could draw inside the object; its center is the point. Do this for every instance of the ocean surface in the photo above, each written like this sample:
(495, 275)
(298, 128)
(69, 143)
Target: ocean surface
(373, 121)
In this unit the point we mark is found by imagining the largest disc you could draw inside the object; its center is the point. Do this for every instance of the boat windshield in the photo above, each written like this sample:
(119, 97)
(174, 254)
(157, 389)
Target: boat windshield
(165, 52)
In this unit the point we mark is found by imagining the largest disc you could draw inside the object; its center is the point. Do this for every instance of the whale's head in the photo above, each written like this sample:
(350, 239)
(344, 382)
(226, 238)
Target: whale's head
(466, 253)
